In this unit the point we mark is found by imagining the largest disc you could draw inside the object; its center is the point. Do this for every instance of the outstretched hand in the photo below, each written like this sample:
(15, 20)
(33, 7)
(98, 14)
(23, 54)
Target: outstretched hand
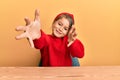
(71, 36)
(31, 30)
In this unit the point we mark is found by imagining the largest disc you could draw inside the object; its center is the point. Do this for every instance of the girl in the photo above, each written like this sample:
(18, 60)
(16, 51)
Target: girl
(58, 48)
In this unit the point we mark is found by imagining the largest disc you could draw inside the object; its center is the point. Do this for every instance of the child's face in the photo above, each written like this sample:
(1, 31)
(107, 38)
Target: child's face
(60, 27)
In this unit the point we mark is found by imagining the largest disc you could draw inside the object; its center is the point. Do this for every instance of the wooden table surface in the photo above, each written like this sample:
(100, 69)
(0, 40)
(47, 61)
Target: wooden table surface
(60, 73)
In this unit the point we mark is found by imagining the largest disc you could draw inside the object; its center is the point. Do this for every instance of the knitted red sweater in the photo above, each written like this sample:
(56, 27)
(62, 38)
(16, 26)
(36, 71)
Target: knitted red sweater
(54, 50)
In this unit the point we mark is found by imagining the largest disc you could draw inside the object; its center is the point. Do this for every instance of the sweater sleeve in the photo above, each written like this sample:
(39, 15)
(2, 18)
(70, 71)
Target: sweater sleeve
(77, 49)
(41, 42)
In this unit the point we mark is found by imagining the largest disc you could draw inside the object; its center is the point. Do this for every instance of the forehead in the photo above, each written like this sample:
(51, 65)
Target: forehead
(64, 21)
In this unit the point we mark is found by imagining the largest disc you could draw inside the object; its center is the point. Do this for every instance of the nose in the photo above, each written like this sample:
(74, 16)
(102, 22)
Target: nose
(61, 28)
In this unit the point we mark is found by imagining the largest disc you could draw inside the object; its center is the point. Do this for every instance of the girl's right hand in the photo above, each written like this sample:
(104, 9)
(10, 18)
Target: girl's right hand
(31, 30)
(71, 36)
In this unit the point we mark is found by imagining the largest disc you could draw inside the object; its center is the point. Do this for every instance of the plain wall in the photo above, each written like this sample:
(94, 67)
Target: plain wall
(97, 23)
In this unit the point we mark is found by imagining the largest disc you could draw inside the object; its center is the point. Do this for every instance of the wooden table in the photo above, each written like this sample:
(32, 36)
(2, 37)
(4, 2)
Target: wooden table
(60, 73)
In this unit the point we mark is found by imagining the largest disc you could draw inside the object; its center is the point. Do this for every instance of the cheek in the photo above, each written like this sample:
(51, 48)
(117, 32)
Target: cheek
(53, 27)
(65, 32)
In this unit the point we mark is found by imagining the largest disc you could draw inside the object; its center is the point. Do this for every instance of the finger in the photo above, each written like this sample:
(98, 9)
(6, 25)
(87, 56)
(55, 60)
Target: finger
(37, 15)
(73, 38)
(74, 34)
(71, 30)
(21, 28)
(21, 36)
(31, 42)
(27, 20)
(69, 43)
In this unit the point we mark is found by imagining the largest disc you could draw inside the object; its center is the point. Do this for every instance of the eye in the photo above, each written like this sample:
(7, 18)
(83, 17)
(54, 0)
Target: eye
(60, 24)
(65, 28)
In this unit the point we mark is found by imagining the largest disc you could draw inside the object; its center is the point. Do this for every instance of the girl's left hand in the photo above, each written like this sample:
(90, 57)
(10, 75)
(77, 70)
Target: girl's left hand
(71, 36)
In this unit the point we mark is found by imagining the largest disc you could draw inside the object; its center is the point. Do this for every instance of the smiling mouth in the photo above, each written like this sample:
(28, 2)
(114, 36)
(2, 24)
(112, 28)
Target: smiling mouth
(58, 31)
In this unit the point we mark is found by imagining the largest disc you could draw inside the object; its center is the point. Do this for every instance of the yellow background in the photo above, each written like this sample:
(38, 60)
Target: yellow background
(97, 23)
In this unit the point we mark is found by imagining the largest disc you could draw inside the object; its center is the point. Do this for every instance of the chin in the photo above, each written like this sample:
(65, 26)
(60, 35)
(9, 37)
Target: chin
(57, 35)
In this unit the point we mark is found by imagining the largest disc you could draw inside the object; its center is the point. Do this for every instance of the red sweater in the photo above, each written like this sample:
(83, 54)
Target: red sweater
(54, 50)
